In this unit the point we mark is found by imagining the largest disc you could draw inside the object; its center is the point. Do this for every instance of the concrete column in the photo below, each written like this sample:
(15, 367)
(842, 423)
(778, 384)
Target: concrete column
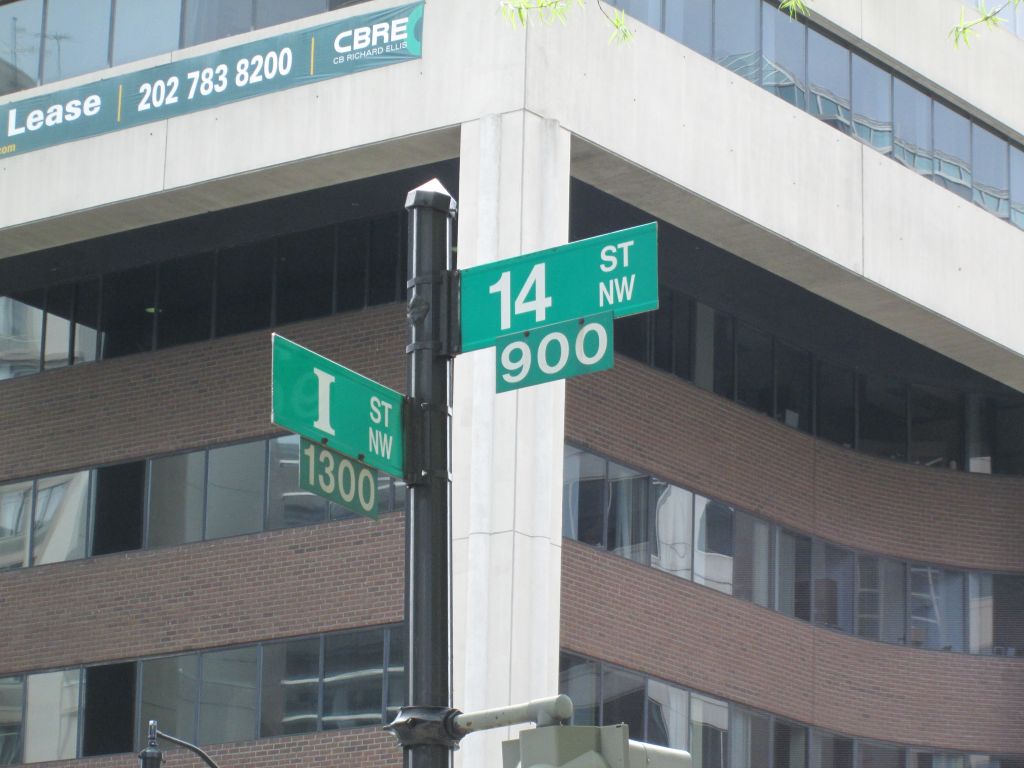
(507, 489)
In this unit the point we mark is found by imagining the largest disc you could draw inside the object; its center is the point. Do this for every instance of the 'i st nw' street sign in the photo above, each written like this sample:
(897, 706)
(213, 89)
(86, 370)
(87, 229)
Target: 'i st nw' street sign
(336, 407)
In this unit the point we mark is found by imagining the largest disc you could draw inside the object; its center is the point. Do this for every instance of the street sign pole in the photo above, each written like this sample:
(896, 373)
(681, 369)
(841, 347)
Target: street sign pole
(431, 210)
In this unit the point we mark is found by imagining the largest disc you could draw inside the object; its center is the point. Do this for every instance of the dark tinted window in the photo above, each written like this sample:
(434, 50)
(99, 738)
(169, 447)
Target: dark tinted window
(353, 260)
(244, 278)
(87, 310)
(385, 260)
(952, 134)
(290, 701)
(109, 709)
(713, 553)
(120, 490)
(793, 380)
(828, 75)
(835, 403)
(129, 305)
(623, 699)
(353, 679)
(752, 577)
(881, 599)
(833, 587)
(872, 105)
(936, 430)
(831, 751)
(584, 499)
(882, 427)
(275, 12)
(577, 678)
(631, 337)
(749, 739)
(629, 513)
(186, 294)
(789, 745)
(737, 37)
(57, 343)
(793, 575)
(690, 24)
(305, 274)
(754, 368)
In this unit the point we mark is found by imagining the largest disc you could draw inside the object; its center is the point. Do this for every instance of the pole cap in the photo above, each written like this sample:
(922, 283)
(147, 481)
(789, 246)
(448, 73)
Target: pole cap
(432, 195)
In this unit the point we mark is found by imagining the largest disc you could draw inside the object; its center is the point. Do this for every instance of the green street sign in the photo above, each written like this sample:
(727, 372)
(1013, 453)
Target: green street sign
(337, 478)
(554, 352)
(616, 273)
(337, 407)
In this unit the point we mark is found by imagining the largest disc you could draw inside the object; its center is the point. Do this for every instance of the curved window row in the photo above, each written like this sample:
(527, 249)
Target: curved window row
(206, 494)
(837, 84)
(48, 40)
(704, 540)
(721, 734)
(258, 285)
(300, 685)
(883, 416)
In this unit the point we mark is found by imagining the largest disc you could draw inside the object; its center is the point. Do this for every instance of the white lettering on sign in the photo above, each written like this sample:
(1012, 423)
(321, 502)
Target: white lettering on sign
(54, 114)
(376, 414)
(380, 413)
(616, 290)
(363, 37)
(323, 397)
(380, 443)
(610, 256)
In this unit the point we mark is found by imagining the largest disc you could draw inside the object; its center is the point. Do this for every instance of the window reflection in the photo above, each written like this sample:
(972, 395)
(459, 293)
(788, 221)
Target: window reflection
(228, 698)
(784, 62)
(690, 24)
(577, 679)
(583, 501)
(749, 739)
(20, 23)
(623, 696)
(176, 499)
(629, 516)
(990, 167)
(667, 715)
(61, 519)
(270, 12)
(952, 134)
(709, 732)
(290, 506)
(169, 694)
(15, 513)
(912, 126)
(737, 39)
(936, 608)
(828, 75)
(207, 20)
(872, 105)
(290, 701)
(57, 342)
(713, 553)
(144, 28)
(353, 679)
(673, 520)
(1017, 185)
(11, 704)
(51, 715)
(76, 37)
(234, 494)
(21, 334)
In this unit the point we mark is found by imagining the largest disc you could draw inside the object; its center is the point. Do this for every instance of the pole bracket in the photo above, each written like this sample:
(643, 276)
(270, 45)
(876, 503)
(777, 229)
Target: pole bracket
(426, 726)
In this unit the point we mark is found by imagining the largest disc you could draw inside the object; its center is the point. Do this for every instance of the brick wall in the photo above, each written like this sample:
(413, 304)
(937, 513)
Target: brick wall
(627, 614)
(681, 433)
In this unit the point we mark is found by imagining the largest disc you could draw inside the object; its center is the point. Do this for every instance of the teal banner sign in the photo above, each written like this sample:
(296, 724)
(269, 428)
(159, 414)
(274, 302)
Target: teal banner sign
(232, 74)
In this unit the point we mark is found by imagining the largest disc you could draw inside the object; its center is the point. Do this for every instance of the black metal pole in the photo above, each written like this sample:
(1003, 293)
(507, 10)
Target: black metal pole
(431, 211)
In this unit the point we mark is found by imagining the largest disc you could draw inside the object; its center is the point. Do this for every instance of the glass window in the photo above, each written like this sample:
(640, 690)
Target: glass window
(912, 126)
(673, 329)
(631, 337)
(629, 513)
(713, 553)
(577, 679)
(213, 19)
(881, 599)
(117, 519)
(737, 37)
(15, 514)
(144, 28)
(936, 608)
(76, 38)
(87, 321)
(793, 382)
(793, 575)
(290, 506)
(623, 697)
(244, 287)
(186, 301)
(270, 12)
(234, 495)
(919, 759)
(1017, 182)
(714, 351)
(936, 427)
(880, 756)
(789, 745)
(396, 696)
(828, 75)
(583, 501)
(108, 711)
(709, 732)
(673, 522)
(749, 739)
(752, 565)
(646, 11)
(784, 62)
(830, 751)
(169, 694)
(353, 265)
(872, 105)
(1008, 458)
(305, 275)
(22, 24)
(57, 344)
(833, 586)
(353, 679)
(21, 334)
(991, 172)
(835, 403)
(952, 134)
(61, 518)
(177, 486)
(290, 693)
(12, 702)
(882, 427)
(128, 309)
(386, 262)
(996, 608)
(754, 386)
(51, 715)
(690, 24)
(227, 708)
(667, 713)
